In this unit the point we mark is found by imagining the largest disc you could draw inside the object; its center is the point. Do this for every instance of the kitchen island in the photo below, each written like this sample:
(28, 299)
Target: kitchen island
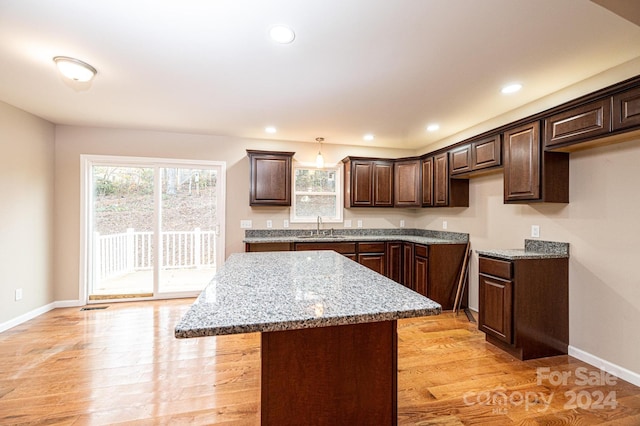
(328, 324)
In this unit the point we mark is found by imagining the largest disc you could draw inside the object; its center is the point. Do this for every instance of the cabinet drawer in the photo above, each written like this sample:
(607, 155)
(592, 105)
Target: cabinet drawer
(495, 267)
(371, 247)
(341, 248)
(580, 123)
(420, 251)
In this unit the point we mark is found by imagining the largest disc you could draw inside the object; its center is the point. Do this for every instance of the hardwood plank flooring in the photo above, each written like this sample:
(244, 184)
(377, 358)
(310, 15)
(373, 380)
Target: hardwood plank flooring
(122, 365)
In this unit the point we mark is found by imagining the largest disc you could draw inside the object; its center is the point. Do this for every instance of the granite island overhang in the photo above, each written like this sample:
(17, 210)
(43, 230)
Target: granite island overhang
(328, 324)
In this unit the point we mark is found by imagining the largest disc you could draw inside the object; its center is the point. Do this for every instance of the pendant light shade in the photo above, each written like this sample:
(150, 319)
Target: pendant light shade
(75, 69)
(319, 157)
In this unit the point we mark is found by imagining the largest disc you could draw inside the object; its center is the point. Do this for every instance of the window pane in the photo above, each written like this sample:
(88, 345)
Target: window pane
(310, 180)
(315, 205)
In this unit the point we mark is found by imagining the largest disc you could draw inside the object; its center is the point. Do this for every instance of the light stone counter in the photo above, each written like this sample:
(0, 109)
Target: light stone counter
(533, 249)
(272, 291)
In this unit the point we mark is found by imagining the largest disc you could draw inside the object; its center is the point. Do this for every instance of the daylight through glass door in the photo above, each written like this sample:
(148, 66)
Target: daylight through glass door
(154, 231)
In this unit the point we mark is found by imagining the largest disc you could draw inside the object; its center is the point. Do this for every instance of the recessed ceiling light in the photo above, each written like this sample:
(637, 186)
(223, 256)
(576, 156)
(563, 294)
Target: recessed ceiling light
(511, 88)
(433, 127)
(368, 137)
(270, 129)
(282, 34)
(75, 69)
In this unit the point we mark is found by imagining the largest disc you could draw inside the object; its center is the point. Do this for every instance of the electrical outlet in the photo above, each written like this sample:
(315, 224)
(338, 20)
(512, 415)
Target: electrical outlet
(269, 224)
(18, 294)
(347, 223)
(535, 231)
(359, 223)
(444, 224)
(246, 224)
(285, 223)
(401, 223)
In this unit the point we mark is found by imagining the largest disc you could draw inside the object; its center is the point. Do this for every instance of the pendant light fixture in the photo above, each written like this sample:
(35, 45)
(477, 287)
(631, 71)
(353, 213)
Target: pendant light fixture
(319, 158)
(75, 69)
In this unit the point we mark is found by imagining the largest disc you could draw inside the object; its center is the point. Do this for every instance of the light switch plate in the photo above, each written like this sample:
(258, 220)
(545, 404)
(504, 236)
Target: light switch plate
(269, 224)
(401, 223)
(18, 294)
(535, 231)
(285, 223)
(347, 223)
(444, 224)
(246, 224)
(359, 223)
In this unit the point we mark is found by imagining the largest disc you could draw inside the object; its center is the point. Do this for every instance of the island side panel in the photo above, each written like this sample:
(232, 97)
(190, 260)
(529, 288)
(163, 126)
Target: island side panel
(340, 375)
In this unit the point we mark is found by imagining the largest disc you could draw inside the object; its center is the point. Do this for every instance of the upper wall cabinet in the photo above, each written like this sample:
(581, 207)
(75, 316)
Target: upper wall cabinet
(626, 109)
(408, 183)
(270, 178)
(438, 189)
(529, 174)
(580, 123)
(476, 156)
(368, 182)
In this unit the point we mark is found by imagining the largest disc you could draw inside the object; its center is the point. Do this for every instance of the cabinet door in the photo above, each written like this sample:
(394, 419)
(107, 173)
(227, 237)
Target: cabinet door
(342, 248)
(407, 183)
(626, 109)
(460, 159)
(373, 261)
(495, 316)
(383, 184)
(362, 183)
(486, 153)
(407, 265)
(441, 180)
(427, 182)
(394, 261)
(522, 163)
(584, 122)
(420, 275)
(270, 178)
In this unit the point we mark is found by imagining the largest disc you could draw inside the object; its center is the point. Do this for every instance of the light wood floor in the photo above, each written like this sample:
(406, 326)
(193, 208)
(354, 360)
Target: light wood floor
(123, 365)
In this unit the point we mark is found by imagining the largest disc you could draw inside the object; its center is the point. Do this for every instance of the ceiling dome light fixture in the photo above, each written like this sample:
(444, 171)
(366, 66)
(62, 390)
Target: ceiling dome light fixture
(75, 69)
(368, 137)
(281, 34)
(270, 129)
(433, 127)
(511, 88)
(319, 157)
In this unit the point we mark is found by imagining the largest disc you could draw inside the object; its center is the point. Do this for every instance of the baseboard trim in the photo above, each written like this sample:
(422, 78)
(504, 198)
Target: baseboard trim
(618, 371)
(37, 312)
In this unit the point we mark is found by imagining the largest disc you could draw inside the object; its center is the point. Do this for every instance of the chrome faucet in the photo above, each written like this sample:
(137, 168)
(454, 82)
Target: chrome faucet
(319, 222)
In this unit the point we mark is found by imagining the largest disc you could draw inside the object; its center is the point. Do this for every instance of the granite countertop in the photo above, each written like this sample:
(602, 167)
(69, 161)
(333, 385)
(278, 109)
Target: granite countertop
(533, 249)
(271, 291)
(418, 236)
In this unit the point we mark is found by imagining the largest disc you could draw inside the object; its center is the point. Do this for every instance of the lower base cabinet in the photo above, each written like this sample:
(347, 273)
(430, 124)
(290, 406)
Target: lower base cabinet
(524, 305)
(431, 270)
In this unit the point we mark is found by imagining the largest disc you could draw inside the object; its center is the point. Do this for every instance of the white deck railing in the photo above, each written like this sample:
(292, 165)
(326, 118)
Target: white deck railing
(118, 254)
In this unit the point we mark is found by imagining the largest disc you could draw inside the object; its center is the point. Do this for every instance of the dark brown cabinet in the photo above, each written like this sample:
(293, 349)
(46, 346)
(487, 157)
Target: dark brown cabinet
(368, 182)
(346, 249)
(460, 159)
(420, 269)
(427, 182)
(529, 174)
(626, 109)
(523, 305)
(394, 261)
(440, 190)
(577, 124)
(269, 178)
(407, 266)
(407, 183)
(373, 256)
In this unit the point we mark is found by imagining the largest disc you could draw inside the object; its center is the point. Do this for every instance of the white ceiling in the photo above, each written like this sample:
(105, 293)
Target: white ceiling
(356, 66)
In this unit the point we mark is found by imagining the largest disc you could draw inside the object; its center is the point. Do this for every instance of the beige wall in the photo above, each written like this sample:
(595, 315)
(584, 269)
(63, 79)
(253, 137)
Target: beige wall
(26, 211)
(601, 224)
(71, 142)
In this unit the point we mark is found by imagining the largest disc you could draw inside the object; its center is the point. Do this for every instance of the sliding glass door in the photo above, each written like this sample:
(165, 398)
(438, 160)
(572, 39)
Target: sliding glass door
(153, 227)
